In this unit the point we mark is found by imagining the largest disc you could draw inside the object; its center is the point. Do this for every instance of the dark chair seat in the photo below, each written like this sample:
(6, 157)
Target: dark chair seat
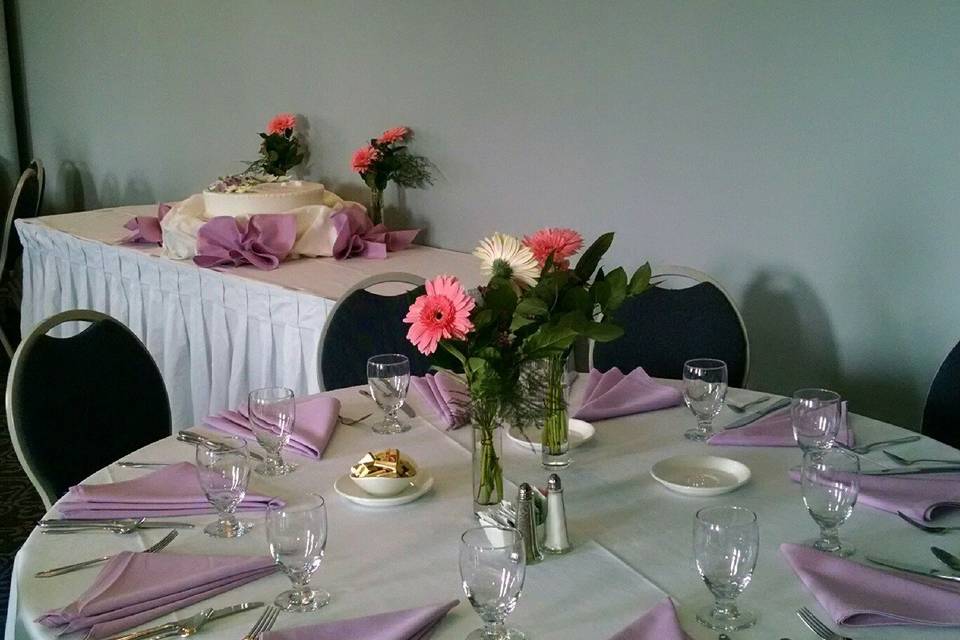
(941, 411)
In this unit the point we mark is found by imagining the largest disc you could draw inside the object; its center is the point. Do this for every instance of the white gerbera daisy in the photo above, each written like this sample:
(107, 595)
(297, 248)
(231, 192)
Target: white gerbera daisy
(505, 256)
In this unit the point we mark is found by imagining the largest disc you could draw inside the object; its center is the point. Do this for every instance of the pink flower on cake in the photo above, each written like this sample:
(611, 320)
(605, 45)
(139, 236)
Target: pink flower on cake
(281, 122)
(442, 313)
(562, 243)
(396, 134)
(363, 158)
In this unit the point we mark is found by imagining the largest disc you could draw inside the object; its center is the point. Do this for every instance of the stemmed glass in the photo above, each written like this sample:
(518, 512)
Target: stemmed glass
(297, 536)
(704, 389)
(830, 481)
(726, 541)
(492, 567)
(223, 470)
(815, 414)
(388, 375)
(271, 413)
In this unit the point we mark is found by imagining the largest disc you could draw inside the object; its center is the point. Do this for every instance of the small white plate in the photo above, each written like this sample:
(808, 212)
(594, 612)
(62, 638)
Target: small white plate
(701, 475)
(419, 485)
(580, 432)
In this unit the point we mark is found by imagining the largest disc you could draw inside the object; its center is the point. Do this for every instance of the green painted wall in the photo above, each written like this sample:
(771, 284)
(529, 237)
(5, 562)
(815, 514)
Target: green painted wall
(805, 153)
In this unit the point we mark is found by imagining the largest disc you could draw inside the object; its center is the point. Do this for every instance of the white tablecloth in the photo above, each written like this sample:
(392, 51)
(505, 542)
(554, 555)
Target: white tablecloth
(215, 334)
(633, 538)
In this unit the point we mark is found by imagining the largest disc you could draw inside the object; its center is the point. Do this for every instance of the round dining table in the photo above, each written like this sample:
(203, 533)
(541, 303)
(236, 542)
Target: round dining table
(632, 537)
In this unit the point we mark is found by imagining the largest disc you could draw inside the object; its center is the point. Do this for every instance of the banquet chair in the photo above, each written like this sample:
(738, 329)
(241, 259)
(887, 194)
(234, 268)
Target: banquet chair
(364, 324)
(77, 404)
(943, 402)
(686, 314)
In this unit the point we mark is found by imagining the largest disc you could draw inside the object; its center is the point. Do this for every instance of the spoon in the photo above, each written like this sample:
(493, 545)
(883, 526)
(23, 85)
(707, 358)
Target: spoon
(946, 558)
(907, 462)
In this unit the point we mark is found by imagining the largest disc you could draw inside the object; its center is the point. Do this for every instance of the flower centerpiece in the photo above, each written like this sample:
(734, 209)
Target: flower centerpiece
(280, 151)
(387, 159)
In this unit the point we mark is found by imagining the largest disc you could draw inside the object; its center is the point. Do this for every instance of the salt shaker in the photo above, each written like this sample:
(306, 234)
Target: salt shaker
(527, 524)
(556, 540)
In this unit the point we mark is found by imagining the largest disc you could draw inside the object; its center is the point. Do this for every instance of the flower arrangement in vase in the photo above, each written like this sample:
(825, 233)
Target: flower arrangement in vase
(387, 159)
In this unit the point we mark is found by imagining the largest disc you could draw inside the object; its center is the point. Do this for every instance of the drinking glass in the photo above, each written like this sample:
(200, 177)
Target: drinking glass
(223, 470)
(726, 541)
(704, 388)
(492, 567)
(271, 413)
(297, 536)
(830, 481)
(815, 414)
(389, 376)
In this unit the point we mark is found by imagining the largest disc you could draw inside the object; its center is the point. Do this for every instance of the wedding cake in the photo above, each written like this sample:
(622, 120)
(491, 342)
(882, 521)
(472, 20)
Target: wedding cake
(263, 197)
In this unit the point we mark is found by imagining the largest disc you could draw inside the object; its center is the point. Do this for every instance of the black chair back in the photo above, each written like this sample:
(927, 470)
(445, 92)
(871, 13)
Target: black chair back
(364, 324)
(943, 402)
(77, 404)
(24, 204)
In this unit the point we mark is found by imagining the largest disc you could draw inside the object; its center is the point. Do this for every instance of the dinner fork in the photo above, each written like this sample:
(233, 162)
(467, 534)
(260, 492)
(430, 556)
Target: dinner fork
(742, 407)
(352, 421)
(263, 624)
(814, 624)
(194, 439)
(117, 527)
(907, 462)
(926, 527)
(867, 448)
(59, 571)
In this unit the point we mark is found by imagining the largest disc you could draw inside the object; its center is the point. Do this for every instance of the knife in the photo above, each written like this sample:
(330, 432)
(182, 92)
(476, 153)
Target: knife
(946, 558)
(97, 524)
(194, 438)
(910, 568)
(407, 409)
(175, 626)
(756, 415)
(910, 471)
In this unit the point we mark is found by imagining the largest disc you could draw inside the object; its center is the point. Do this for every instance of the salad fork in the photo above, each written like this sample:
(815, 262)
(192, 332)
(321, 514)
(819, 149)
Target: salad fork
(263, 624)
(349, 422)
(907, 462)
(59, 571)
(814, 624)
(926, 527)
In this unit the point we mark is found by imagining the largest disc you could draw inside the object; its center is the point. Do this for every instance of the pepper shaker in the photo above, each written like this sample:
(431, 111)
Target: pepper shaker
(556, 540)
(527, 524)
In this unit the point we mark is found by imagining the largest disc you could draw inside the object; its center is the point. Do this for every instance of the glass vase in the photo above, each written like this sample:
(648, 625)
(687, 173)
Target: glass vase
(487, 466)
(376, 205)
(555, 435)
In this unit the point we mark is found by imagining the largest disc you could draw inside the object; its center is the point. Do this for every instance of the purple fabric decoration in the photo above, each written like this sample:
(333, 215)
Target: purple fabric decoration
(357, 235)
(408, 624)
(146, 229)
(774, 430)
(263, 241)
(612, 394)
(660, 623)
(446, 396)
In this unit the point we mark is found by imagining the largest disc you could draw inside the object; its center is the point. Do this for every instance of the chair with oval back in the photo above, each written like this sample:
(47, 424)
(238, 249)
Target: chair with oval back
(364, 324)
(942, 407)
(78, 403)
(666, 326)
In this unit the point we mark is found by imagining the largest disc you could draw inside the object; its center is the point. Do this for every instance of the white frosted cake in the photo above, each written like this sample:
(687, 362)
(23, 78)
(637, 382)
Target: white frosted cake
(267, 197)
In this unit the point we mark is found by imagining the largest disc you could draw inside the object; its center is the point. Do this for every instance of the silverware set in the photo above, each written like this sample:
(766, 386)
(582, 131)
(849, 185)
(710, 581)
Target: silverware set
(191, 625)
(867, 448)
(407, 409)
(195, 439)
(59, 571)
(743, 406)
(123, 525)
(750, 418)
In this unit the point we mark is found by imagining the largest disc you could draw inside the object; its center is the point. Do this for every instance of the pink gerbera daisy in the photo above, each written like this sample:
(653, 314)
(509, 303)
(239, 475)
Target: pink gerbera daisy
(281, 122)
(562, 243)
(396, 134)
(364, 157)
(442, 313)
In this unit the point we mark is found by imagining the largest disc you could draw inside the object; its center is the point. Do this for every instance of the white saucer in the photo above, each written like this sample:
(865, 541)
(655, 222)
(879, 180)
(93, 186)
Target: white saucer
(419, 485)
(580, 432)
(701, 475)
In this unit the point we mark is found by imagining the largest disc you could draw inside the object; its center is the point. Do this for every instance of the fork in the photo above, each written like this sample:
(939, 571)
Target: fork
(59, 571)
(742, 407)
(867, 448)
(352, 421)
(908, 462)
(818, 627)
(193, 438)
(926, 527)
(119, 527)
(263, 624)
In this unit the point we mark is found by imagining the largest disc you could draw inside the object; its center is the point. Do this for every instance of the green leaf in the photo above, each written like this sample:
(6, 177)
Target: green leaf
(601, 293)
(549, 340)
(617, 279)
(601, 331)
(640, 281)
(531, 307)
(591, 257)
(453, 351)
(500, 297)
(519, 322)
(577, 299)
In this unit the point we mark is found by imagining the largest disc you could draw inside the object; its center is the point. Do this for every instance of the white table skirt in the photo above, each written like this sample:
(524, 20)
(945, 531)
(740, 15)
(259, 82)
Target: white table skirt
(215, 334)
(632, 537)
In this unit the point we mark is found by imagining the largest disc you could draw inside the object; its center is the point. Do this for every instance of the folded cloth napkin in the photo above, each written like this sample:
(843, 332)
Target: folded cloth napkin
(133, 588)
(316, 419)
(408, 624)
(358, 236)
(611, 394)
(170, 491)
(262, 241)
(660, 623)
(446, 396)
(861, 596)
(146, 229)
(774, 430)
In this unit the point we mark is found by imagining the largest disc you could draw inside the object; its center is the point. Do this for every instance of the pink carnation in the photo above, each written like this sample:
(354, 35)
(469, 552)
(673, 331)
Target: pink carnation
(562, 243)
(396, 134)
(442, 313)
(281, 122)
(364, 157)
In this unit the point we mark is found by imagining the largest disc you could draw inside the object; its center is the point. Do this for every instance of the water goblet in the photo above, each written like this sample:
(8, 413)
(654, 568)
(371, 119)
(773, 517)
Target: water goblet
(704, 389)
(830, 481)
(492, 568)
(388, 375)
(726, 541)
(271, 413)
(815, 414)
(223, 470)
(297, 536)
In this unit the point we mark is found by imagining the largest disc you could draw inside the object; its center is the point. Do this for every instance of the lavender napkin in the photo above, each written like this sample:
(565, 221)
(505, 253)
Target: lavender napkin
(170, 491)
(861, 596)
(133, 588)
(316, 419)
(357, 235)
(146, 229)
(660, 623)
(612, 394)
(262, 241)
(446, 397)
(774, 430)
(408, 624)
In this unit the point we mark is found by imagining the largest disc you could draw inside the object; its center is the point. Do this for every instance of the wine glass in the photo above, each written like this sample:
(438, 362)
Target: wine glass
(704, 388)
(492, 567)
(830, 481)
(726, 541)
(297, 536)
(271, 413)
(388, 375)
(223, 470)
(815, 414)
